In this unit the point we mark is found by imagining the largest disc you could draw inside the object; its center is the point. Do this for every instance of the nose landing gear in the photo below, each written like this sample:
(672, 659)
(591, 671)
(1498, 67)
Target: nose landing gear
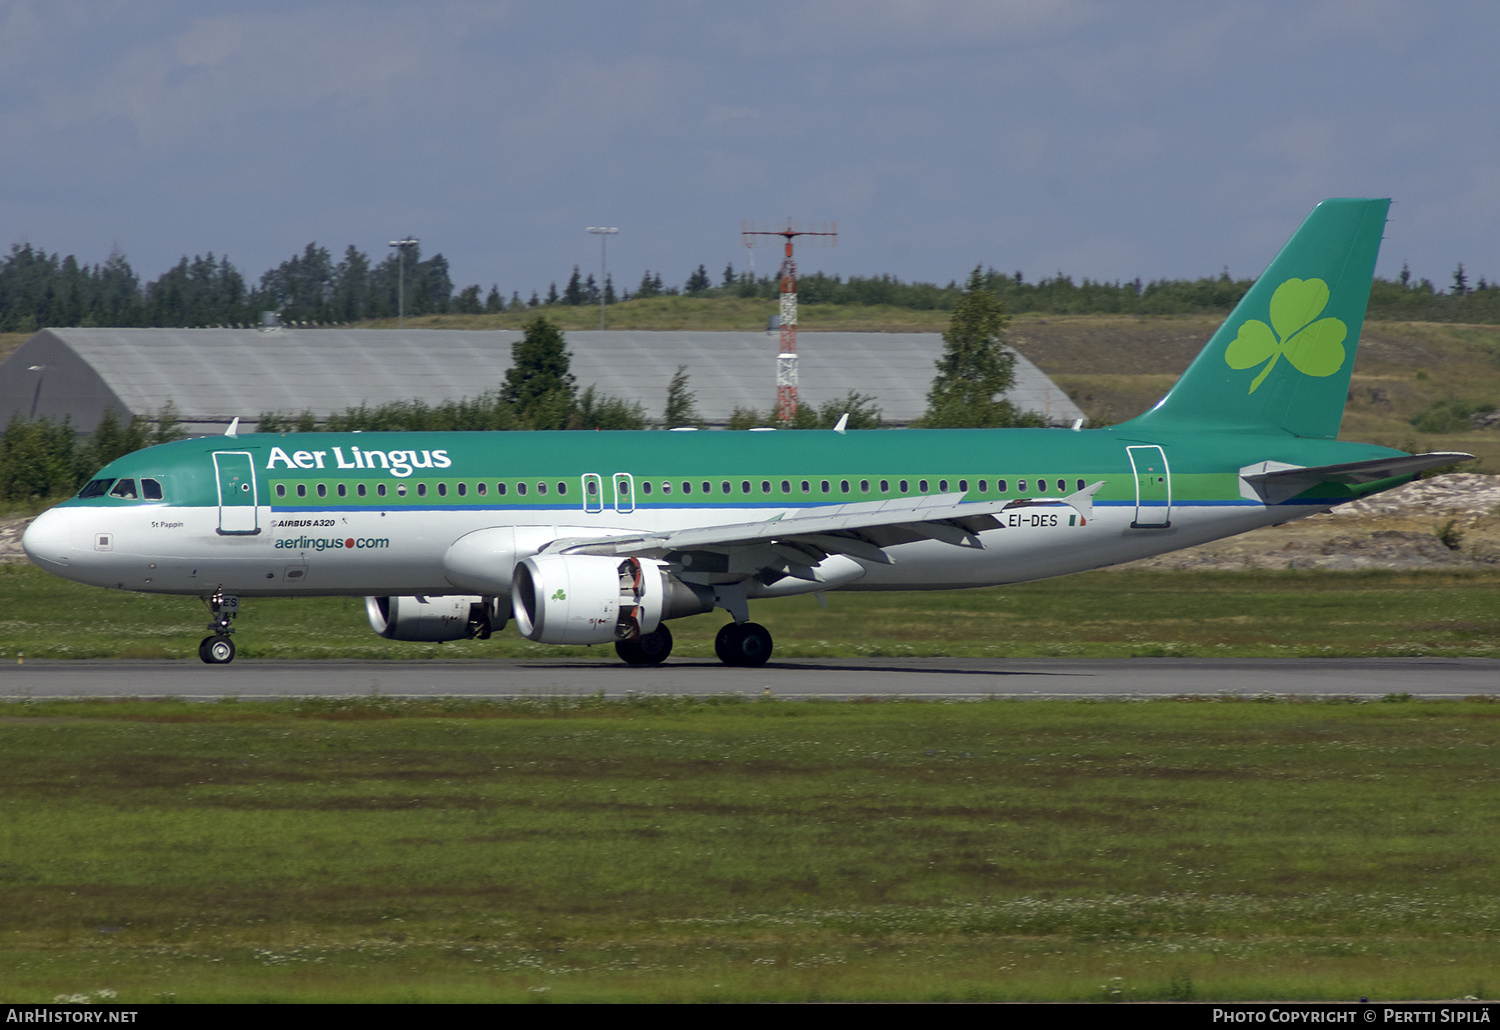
(219, 649)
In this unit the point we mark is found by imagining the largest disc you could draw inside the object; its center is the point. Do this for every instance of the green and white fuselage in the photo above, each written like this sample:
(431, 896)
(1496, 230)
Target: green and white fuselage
(385, 530)
(599, 537)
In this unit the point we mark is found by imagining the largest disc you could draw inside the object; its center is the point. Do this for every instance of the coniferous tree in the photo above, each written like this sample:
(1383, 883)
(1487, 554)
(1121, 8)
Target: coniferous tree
(975, 368)
(573, 293)
(698, 283)
(350, 300)
(493, 302)
(682, 405)
(467, 302)
(538, 384)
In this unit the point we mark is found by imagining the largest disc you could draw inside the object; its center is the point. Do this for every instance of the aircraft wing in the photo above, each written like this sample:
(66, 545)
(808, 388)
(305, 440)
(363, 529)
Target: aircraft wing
(793, 541)
(1275, 482)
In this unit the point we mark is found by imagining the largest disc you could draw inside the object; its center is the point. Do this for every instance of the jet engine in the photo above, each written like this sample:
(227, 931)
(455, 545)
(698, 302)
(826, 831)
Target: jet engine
(587, 599)
(434, 619)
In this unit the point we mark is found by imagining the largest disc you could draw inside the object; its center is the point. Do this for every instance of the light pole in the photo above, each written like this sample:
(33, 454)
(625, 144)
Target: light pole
(41, 372)
(402, 246)
(604, 233)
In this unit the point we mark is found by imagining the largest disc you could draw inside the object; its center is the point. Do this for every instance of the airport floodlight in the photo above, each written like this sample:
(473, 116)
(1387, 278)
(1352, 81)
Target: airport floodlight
(604, 233)
(402, 246)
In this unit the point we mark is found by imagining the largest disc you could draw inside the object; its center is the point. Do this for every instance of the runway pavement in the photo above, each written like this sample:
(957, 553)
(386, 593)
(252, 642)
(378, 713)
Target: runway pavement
(836, 679)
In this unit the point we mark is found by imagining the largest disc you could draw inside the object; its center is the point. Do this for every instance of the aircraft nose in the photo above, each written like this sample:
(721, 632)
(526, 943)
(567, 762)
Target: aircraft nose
(48, 541)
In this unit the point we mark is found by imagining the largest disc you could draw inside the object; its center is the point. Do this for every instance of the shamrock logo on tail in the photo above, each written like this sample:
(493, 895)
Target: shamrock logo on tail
(1315, 348)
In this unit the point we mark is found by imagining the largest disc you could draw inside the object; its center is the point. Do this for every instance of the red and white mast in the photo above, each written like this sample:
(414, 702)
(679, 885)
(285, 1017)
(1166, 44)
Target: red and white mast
(786, 360)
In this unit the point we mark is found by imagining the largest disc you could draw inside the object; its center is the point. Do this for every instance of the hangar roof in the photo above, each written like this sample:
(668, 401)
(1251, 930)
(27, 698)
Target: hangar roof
(215, 375)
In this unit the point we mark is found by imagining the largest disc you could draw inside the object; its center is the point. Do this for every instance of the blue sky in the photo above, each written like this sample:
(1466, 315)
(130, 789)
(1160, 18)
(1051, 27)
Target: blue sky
(1097, 137)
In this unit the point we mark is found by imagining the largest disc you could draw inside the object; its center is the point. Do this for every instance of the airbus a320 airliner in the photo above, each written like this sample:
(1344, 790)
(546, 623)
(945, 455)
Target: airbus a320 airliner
(599, 538)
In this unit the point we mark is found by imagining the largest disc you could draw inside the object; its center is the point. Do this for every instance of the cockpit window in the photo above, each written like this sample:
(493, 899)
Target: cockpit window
(124, 488)
(95, 488)
(150, 490)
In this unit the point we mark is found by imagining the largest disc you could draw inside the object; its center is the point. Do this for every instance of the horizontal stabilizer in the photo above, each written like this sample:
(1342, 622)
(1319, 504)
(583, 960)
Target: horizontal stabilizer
(1275, 482)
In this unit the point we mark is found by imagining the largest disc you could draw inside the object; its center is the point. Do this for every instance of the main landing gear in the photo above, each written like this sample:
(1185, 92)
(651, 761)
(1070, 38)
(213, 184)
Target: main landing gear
(743, 644)
(647, 649)
(219, 649)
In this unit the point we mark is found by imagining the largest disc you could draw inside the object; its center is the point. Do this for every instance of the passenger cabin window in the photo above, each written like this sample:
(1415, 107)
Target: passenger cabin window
(463, 488)
(1001, 486)
(942, 486)
(380, 489)
(301, 489)
(442, 489)
(645, 487)
(922, 486)
(322, 489)
(521, 489)
(1041, 486)
(280, 489)
(1020, 486)
(1080, 484)
(343, 490)
(562, 488)
(400, 489)
(500, 489)
(95, 488)
(905, 486)
(150, 490)
(361, 490)
(125, 488)
(479, 489)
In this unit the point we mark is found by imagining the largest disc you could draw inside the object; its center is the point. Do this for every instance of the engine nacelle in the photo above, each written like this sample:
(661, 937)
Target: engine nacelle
(587, 599)
(434, 619)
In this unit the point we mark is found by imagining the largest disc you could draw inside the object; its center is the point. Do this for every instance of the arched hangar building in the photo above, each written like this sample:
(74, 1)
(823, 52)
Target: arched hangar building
(213, 376)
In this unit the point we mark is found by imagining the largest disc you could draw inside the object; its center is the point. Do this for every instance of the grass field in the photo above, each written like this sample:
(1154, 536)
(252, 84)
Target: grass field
(698, 850)
(1098, 614)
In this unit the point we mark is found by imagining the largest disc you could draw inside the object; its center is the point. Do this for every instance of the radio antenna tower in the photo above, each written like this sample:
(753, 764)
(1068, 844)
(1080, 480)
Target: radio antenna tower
(786, 360)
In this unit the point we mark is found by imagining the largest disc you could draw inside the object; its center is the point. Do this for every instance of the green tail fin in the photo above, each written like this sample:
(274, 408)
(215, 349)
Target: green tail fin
(1283, 357)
